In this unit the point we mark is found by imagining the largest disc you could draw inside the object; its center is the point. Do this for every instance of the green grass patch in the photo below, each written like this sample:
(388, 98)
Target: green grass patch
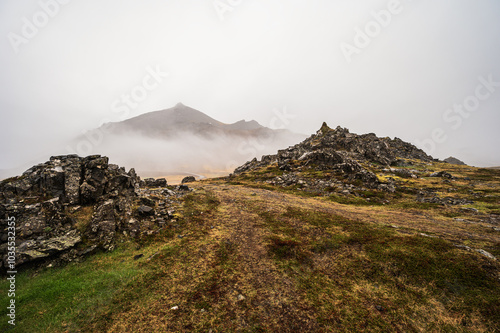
(198, 205)
(414, 270)
(56, 299)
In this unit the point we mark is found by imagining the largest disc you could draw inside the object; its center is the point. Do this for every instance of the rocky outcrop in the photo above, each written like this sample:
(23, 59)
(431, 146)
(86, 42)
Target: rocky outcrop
(453, 160)
(71, 205)
(71, 179)
(343, 152)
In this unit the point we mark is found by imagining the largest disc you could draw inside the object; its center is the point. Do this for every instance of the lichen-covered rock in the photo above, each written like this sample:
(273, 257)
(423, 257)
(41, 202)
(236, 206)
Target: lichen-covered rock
(330, 147)
(344, 154)
(36, 249)
(71, 201)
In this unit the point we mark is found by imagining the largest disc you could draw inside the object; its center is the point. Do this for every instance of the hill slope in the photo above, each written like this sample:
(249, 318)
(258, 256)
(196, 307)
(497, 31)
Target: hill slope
(241, 258)
(342, 233)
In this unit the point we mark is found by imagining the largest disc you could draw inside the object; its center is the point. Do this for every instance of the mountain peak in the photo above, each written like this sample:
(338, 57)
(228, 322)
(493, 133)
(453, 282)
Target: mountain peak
(179, 105)
(246, 125)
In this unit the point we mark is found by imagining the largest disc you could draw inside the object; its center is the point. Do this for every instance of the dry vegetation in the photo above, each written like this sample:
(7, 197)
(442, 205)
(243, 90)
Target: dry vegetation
(257, 258)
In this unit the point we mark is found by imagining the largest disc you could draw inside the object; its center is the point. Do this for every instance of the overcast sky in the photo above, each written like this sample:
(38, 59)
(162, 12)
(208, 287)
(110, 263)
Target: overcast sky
(426, 71)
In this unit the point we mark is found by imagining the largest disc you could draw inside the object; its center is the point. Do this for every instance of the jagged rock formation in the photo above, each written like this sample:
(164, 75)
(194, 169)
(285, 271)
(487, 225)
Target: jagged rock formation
(344, 153)
(453, 160)
(70, 206)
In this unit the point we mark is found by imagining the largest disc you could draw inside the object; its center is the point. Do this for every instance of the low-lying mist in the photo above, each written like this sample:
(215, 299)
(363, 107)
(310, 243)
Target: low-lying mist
(187, 153)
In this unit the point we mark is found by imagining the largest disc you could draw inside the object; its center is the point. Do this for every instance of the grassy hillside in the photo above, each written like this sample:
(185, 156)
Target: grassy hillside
(245, 256)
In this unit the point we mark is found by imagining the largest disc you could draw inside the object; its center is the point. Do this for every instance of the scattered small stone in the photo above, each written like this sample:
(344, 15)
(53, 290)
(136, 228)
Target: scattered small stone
(442, 174)
(379, 308)
(470, 209)
(465, 247)
(240, 298)
(152, 256)
(139, 256)
(145, 210)
(147, 201)
(183, 188)
(425, 235)
(74, 209)
(174, 308)
(486, 254)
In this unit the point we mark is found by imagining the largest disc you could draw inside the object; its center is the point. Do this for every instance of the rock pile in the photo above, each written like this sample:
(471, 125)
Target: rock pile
(70, 206)
(344, 153)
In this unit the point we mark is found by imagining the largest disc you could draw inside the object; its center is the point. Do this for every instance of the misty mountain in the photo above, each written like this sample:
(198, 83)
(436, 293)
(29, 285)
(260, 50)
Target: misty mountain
(182, 119)
(182, 140)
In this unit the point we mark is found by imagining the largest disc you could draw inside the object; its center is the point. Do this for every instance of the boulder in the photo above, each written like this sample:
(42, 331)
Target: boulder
(188, 179)
(32, 250)
(151, 182)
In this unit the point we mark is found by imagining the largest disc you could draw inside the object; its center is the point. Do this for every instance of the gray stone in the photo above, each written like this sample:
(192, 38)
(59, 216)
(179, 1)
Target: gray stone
(486, 254)
(188, 179)
(145, 210)
(31, 250)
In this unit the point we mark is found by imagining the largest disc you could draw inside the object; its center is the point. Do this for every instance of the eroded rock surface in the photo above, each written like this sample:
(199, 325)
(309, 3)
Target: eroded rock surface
(70, 206)
(344, 153)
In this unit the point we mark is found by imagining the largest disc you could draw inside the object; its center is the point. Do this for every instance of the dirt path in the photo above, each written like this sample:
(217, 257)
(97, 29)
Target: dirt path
(225, 276)
(274, 298)
(405, 221)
